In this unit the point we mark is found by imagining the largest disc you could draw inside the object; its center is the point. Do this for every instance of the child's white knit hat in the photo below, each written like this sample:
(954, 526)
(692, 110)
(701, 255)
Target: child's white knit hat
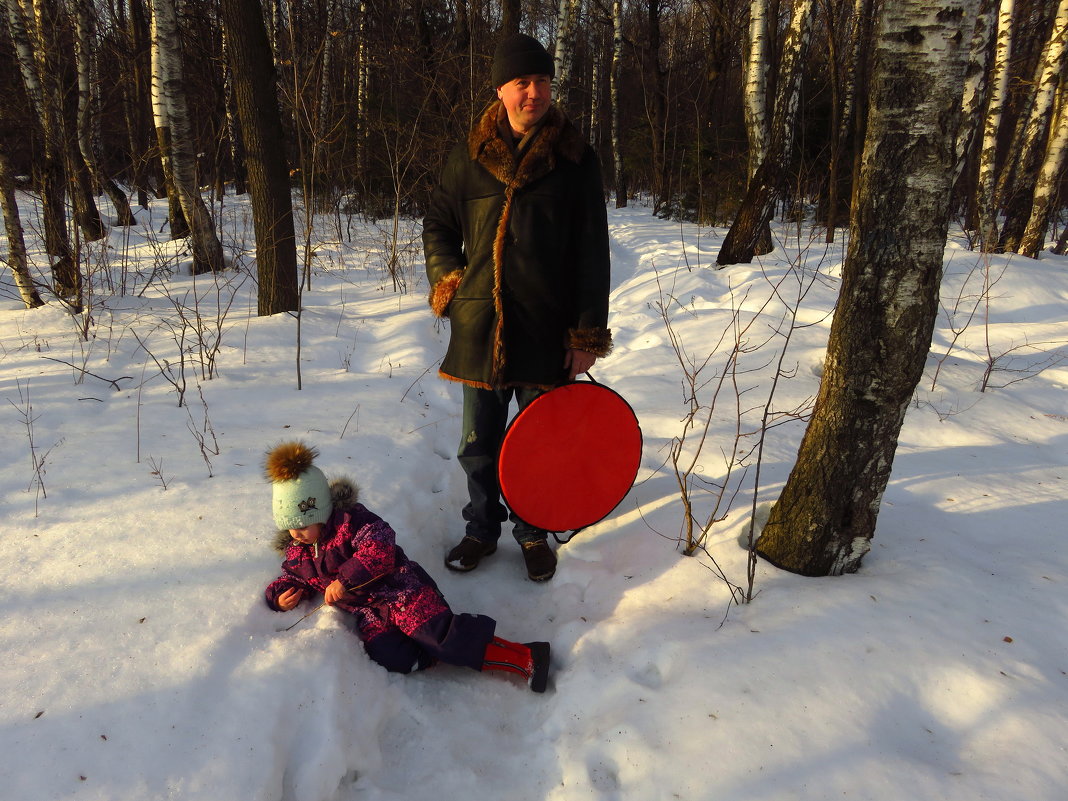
(301, 493)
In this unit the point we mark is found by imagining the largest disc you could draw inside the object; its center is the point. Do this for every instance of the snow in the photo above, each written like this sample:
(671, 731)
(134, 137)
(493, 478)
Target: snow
(143, 664)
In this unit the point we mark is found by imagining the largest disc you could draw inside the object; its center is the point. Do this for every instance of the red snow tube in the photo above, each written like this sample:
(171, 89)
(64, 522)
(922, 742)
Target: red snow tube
(570, 457)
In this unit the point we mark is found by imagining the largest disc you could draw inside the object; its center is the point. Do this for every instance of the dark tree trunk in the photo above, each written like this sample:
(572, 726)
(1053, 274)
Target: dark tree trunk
(511, 13)
(265, 159)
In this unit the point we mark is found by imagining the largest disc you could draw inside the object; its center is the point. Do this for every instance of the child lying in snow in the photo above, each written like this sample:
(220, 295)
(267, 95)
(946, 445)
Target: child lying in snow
(334, 545)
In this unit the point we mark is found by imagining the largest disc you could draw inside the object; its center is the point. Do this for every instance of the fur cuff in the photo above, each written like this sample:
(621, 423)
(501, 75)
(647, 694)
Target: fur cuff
(442, 292)
(597, 341)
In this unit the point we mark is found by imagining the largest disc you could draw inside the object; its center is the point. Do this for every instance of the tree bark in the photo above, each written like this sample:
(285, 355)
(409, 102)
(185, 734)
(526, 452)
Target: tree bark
(749, 235)
(254, 81)
(619, 176)
(999, 83)
(49, 174)
(16, 258)
(85, 50)
(511, 14)
(1042, 207)
(824, 520)
(207, 250)
(1019, 201)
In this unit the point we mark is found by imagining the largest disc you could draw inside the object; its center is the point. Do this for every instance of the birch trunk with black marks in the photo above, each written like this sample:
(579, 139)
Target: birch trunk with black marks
(749, 234)
(824, 520)
(615, 77)
(178, 134)
(563, 54)
(1031, 153)
(1042, 208)
(999, 84)
(16, 241)
(49, 172)
(85, 52)
(974, 84)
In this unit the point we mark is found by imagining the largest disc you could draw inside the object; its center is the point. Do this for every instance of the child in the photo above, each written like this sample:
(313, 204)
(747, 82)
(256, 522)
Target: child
(334, 545)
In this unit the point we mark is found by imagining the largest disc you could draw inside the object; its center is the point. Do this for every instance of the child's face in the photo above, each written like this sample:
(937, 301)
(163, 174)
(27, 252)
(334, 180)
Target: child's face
(307, 535)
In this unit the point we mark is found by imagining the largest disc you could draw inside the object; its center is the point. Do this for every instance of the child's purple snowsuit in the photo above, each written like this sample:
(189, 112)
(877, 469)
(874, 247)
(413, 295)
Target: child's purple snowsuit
(401, 616)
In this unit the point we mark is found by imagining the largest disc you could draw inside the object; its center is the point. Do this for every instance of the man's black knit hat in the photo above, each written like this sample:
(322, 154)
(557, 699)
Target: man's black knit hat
(517, 55)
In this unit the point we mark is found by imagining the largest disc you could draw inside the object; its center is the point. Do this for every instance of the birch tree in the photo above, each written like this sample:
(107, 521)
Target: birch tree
(755, 93)
(974, 84)
(179, 226)
(16, 241)
(85, 50)
(563, 54)
(615, 78)
(178, 135)
(49, 167)
(748, 235)
(1053, 167)
(1028, 156)
(999, 84)
(824, 520)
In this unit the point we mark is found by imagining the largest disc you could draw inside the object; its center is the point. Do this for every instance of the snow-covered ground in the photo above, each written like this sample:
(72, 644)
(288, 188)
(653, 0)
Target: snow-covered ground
(142, 663)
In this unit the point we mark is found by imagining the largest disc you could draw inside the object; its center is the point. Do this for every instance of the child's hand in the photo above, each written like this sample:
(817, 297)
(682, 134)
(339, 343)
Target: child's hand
(290, 598)
(334, 593)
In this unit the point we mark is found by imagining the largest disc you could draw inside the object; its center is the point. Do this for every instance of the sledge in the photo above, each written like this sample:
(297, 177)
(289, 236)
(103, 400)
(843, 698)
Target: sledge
(570, 457)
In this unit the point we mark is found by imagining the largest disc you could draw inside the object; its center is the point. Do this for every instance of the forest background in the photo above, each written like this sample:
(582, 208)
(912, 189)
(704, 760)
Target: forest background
(705, 108)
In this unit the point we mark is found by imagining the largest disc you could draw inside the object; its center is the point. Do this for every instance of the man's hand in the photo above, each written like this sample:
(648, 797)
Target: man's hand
(577, 362)
(335, 592)
(290, 598)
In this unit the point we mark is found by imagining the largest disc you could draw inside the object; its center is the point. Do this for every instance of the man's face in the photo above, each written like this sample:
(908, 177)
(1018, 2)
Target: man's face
(526, 99)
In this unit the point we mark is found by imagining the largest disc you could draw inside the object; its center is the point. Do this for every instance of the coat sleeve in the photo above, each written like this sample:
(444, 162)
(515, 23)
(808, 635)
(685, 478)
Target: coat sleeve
(593, 262)
(374, 552)
(280, 585)
(443, 237)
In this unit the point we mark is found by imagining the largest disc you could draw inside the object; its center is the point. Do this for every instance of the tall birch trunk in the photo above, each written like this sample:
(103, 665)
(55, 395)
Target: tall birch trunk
(1029, 157)
(179, 226)
(974, 85)
(49, 173)
(824, 520)
(16, 241)
(563, 56)
(85, 51)
(618, 174)
(748, 235)
(207, 250)
(596, 79)
(363, 70)
(755, 95)
(1029, 19)
(1034, 235)
(52, 67)
(999, 83)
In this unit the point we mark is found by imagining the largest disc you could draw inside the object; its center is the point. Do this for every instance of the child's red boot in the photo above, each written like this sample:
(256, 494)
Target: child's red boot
(529, 660)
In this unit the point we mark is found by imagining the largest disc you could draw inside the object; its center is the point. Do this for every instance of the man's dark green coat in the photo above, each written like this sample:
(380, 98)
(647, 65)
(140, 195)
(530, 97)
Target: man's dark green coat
(517, 254)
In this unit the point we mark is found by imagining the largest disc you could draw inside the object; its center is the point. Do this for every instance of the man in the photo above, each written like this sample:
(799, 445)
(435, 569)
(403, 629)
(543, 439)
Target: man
(516, 244)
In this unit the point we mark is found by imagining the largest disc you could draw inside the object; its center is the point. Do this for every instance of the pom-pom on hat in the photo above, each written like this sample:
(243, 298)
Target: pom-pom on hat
(301, 493)
(517, 55)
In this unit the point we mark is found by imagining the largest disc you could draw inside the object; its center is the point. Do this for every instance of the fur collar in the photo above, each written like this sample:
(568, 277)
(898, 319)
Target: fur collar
(556, 138)
(344, 495)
